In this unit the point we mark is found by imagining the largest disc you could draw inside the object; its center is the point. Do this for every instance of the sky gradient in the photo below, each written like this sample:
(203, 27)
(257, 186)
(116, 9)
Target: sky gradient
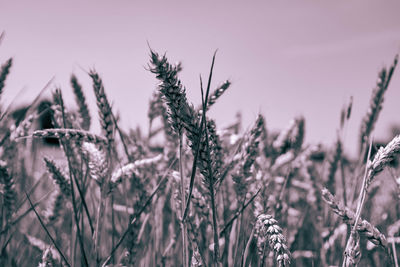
(303, 58)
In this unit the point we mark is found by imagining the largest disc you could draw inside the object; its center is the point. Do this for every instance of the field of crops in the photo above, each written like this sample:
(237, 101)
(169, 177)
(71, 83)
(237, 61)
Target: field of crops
(188, 192)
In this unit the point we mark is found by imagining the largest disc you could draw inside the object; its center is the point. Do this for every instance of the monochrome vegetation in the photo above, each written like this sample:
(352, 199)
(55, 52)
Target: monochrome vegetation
(188, 192)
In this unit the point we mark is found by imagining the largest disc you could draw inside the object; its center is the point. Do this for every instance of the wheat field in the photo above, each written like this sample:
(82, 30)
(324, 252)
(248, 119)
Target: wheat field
(188, 192)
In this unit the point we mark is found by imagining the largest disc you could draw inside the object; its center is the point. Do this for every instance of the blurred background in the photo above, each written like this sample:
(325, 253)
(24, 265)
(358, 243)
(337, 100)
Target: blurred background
(284, 60)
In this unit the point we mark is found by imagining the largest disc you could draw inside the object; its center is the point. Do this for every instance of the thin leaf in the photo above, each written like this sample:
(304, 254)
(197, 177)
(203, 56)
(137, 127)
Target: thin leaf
(47, 231)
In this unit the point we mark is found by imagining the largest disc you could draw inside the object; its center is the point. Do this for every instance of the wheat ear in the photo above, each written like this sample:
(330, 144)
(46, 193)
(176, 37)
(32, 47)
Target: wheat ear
(22, 129)
(375, 106)
(105, 112)
(290, 138)
(97, 162)
(170, 87)
(129, 169)
(71, 134)
(55, 205)
(217, 93)
(383, 157)
(47, 259)
(155, 106)
(9, 195)
(250, 151)
(333, 165)
(4, 71)
(82, 105)
(58, 176)
(348, 216)
(268, 230)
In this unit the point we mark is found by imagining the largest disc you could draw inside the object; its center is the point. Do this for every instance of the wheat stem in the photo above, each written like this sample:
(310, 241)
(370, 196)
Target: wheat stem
(72, 175)
(211, 182)
(352, 246)
(239, 212)
(396, 263)
(136, 216)
(185, 253)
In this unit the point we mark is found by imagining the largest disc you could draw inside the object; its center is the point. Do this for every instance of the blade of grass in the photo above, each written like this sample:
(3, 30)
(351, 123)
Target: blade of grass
(82, 196)
(202, 123)
(211, 183)
(230, 222)
(3, 250)
(121, 136)
(18, 96)
(32, 103)
(247, 248)
(137, 216)
(194, 166)
(47, 231)
(2, 36)
(18, 219)
(360, 205)
(30, 192)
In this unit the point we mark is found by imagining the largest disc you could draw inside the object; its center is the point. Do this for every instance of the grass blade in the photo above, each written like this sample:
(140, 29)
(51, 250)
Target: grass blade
(47, 231)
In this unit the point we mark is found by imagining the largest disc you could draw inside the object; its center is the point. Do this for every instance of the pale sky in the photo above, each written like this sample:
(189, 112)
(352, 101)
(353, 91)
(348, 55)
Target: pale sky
(284, 59)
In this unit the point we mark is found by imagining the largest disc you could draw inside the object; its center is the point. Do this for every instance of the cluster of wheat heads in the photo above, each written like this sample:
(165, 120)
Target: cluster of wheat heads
(189, 193)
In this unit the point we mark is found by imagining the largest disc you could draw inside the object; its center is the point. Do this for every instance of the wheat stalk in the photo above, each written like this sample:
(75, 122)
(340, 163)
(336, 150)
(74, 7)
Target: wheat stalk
(58, 176)
(181, 115)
